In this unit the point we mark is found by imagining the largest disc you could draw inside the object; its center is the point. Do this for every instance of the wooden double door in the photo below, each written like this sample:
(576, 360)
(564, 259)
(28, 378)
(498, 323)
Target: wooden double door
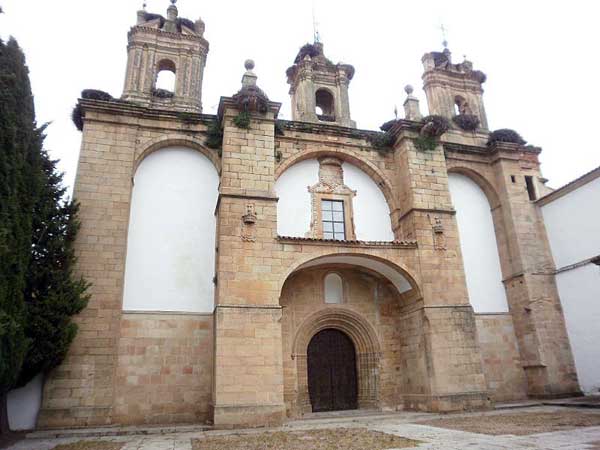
(332, 383)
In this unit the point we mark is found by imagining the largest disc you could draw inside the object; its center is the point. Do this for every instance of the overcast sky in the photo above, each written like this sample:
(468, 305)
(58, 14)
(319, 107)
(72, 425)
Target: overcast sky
(541, 57)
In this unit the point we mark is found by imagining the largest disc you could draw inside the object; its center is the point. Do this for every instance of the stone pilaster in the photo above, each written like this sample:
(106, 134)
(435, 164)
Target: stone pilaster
(80, 391)
(456, 379)
(248, 381)
(530, 285)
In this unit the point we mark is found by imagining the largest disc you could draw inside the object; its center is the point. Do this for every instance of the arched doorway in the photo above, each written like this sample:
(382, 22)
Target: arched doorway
(332, 383)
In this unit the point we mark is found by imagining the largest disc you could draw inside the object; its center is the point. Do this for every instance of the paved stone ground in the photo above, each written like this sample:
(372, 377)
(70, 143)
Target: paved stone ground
(400, 424)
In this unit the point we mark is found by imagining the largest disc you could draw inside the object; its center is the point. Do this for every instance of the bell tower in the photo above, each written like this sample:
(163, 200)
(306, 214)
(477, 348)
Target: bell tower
(319, 88)
(453, 89)
(173, 44)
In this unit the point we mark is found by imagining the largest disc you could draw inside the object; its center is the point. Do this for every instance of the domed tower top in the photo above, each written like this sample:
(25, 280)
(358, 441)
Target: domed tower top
(158, 44)
(319, 88)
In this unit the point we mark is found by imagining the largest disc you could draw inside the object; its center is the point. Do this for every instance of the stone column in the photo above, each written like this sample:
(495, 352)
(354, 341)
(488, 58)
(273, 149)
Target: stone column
(368, 380)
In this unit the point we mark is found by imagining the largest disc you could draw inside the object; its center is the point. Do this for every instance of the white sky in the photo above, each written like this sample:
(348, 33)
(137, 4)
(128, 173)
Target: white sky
(541, 58)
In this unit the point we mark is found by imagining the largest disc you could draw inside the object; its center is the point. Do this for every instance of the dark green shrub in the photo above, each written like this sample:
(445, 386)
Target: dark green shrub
(242, 120)
(214, 135)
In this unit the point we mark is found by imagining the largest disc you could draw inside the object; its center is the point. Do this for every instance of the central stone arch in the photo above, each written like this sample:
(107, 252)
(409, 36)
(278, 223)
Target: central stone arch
(366, 343)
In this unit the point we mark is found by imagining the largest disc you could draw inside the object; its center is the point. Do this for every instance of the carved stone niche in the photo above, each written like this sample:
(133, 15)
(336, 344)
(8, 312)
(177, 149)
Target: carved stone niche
(248, 224)
(331, 187)
(439, 239)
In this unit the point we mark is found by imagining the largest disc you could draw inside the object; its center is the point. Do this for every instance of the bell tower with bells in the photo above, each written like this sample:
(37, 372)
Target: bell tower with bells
(173, 44)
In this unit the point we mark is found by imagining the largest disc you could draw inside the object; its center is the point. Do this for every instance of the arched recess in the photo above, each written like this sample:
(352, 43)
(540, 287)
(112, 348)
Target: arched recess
(366, 343)
(333, 288)
(166, 74)
(402, 280)
(370, 206)
(478, 240)
(366, 166)
(174, 140)
(171, 237)
(325, 105)
(481, 181)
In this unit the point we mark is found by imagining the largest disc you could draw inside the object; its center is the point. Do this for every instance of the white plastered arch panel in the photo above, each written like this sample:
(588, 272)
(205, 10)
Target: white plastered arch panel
(398, 279)
(171, 237)
(371, 211)
(478, 245)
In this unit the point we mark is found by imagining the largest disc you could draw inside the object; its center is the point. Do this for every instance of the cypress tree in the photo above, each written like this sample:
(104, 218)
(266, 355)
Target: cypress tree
(19, 144)
(38, 290)
(52, 293)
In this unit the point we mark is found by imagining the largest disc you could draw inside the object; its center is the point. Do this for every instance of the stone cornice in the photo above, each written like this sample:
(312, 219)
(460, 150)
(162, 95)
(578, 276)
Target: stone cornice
(462, 148)
(337, 130)
(123, 108)
(426, 210)
(346, 243)
(156, 31)
(460, 80)
(229, 103)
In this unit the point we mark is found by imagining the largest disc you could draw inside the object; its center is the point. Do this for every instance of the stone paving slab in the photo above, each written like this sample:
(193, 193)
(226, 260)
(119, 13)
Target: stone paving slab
(433, 438)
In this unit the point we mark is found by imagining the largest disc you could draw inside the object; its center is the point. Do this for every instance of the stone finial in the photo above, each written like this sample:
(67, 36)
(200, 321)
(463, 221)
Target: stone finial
(172, 11)
(250, 97)
(200, 27)
(249, 78)
(141, 16)
(411, 105)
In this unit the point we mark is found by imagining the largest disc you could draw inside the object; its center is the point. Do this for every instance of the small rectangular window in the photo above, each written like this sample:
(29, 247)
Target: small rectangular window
(513, 179)
(332, 212)
(530, 187)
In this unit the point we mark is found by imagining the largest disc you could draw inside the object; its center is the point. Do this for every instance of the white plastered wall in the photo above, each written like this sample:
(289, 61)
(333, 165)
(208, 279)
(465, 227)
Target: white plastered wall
(371, 211)
(478, 245)
(171, 240)
(579, 291)
(23, 405)
(573, 226)
(572, 223)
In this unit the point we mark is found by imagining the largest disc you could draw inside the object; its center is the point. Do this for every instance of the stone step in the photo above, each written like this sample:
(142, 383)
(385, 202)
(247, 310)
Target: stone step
(116, 431)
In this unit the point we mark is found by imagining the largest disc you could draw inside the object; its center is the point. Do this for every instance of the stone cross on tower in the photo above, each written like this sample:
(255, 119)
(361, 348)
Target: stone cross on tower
(444, 37)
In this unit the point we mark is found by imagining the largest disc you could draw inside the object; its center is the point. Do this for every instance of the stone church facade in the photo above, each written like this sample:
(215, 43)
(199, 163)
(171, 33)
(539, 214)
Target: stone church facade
(332, 316)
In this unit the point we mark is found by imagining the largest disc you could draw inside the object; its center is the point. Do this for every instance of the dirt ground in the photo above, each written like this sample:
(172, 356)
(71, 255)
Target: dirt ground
(6, 440)
(90, 445)
(519, 424)
(329, 439)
